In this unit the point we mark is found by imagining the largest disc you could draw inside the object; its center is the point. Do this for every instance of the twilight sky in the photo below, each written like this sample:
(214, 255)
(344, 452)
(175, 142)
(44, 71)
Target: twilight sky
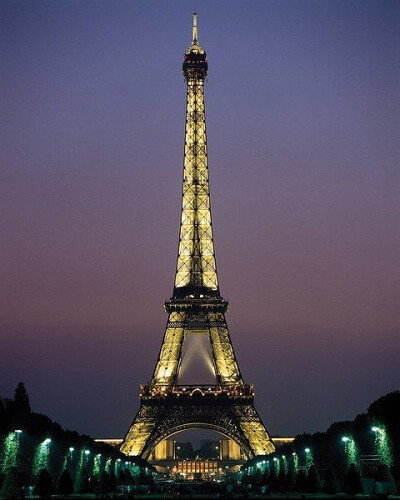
(303, 120)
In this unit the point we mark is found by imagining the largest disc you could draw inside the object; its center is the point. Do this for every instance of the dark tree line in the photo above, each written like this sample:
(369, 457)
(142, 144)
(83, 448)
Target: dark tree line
(16, 414)
(328, 451)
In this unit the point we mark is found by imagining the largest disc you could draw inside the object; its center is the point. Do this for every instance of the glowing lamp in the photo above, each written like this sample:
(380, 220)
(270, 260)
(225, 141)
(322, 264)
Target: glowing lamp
(71, 449)
(87, 452)
(307, 450)
(375, 429)
(345, 439)
(274, 459)
(47, 441)
(18, 431)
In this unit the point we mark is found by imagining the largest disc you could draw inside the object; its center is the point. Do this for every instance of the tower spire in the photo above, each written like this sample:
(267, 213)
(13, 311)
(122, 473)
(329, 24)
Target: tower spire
(194, 28)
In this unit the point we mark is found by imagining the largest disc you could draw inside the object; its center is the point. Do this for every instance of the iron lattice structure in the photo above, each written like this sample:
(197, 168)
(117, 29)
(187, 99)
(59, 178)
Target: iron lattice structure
(196, 307)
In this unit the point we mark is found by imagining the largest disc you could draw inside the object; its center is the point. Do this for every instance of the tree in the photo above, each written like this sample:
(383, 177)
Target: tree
(396, 477)
(282, 480)
(11, 487)
(122, 478)
(21, 400)
(113, 482)
(272, 480)
(257, 478)
(84, 483)
(300, 483)
(352, 481)
(291, 478)
(94, 483)
(313, 482)
(265, 478)
(65, 485)
(128, 477)
(331, 486)
(246, 479)
(105, 482)
(384, 482)
(2, 477)
(44, 486)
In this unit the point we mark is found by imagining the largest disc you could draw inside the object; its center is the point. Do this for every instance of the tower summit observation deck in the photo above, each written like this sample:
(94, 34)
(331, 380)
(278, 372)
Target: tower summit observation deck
(196, 309)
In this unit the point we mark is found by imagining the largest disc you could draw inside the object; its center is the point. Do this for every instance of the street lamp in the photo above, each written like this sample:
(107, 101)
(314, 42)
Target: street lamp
(87, 452)
(307, 450)
(47, 441)
(71, 449)
(375, 429)
(17, 433)
(345, 439)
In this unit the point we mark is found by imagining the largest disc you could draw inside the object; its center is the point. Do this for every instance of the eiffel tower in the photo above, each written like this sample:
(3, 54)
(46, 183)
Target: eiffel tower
(196, 309)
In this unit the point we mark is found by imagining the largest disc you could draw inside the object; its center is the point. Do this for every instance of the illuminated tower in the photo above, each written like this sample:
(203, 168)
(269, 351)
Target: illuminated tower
(196, 308)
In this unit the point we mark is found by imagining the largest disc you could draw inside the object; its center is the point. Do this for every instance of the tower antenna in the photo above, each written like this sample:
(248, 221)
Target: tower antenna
(195, 28)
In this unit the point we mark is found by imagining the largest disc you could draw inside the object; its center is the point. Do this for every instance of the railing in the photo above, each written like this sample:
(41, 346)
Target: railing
(160, 390)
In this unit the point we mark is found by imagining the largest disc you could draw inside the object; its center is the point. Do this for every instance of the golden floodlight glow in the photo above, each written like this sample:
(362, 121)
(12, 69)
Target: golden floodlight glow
(196, 308)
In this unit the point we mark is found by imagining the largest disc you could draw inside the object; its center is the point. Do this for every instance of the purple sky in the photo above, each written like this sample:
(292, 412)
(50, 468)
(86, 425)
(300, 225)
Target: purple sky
(303, 131)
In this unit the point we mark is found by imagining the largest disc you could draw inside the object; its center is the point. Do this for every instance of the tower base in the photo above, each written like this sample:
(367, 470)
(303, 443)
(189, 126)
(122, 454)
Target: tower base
(166, 410)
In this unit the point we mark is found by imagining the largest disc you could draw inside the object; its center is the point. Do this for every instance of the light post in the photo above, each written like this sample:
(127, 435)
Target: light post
(86, 456)
(309, 458)
(345, 440)
(17, 434)
(382, 445)
(70, 455)
(295, 461)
